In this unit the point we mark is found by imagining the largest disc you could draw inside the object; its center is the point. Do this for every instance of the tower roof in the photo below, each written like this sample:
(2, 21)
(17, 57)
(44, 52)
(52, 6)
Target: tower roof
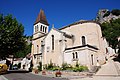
(41, 18)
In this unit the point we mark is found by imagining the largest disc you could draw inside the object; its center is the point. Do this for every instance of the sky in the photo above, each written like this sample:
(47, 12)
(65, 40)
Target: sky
(58, 12)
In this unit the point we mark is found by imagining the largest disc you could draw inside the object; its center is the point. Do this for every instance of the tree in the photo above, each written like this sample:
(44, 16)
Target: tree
(106, 14)
(111, 30)
(115, 12)
(27, 48)
(11, 36)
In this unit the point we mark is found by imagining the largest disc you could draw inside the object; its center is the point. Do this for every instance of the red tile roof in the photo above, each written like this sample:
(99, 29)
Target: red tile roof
(41, 18)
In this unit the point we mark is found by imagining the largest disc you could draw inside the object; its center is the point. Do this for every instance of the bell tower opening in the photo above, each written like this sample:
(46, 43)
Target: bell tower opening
(40, 25)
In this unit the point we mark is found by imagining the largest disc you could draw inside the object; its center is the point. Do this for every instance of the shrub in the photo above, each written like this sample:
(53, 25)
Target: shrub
(55, 68)
(80, 68)
(77, 65)
(31, 66)
(65, 66)
(45, 66)
(19, 65)
(106, 14)
(115, 12)
(75, 69)
(50, 66)
(40, 66)
(84, 68)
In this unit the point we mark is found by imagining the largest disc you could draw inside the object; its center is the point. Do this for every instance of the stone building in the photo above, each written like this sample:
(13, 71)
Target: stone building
(80, 42)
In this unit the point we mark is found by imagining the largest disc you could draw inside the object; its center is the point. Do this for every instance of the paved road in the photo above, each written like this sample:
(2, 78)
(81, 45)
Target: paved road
(28, 76)
(100, 78)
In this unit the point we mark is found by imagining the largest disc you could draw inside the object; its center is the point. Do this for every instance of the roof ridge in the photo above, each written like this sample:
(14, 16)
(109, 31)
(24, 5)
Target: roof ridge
(79, 22)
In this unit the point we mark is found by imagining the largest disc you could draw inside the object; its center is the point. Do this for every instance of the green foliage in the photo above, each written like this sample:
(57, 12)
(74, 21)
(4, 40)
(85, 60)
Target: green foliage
(106, 14)
(119, 47)
(31, 66)
(64, 66)
(45, 66)
(111, 31)
(11, 36)
(56, 68)
(77, 65)
(40, 66)
(115, 12)
(25, 51)
(76, 69)
(50, 66)
(80, 68)
(19, 65)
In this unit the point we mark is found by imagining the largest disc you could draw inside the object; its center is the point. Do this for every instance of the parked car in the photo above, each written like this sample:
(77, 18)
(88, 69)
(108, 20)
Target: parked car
(15, 68)
(3, 68)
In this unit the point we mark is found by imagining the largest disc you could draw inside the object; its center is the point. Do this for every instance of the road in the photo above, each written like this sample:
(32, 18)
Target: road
(28, 76)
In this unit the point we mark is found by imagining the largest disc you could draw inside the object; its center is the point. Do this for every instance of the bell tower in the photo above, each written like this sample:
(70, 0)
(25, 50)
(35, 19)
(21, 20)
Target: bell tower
(40, 25)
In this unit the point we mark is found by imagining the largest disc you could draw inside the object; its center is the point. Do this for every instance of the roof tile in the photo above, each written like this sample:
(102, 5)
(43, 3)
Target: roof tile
(41, 18)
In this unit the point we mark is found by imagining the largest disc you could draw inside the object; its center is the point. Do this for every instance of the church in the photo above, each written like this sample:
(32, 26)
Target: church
(79, 41)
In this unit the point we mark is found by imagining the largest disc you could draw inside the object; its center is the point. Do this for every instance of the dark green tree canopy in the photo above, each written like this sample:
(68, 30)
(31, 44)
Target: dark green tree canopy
(115, 12)
(106, 14)
(27, 48)
(111, 30)
(11, 36)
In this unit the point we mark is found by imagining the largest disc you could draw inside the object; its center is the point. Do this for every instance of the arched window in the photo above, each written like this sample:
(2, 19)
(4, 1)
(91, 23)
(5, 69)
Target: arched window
(41, 28)
(52, 42)
(36, 28)
(45, 29)
(76, 55)
(73, 55)
(92, 58)
(83, 40)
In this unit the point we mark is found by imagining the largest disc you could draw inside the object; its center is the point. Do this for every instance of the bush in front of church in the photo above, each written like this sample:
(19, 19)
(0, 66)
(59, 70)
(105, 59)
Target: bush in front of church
(80, 68)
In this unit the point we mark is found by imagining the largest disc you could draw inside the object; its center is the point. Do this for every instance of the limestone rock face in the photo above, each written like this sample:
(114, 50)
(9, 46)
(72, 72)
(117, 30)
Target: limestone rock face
(104, 15)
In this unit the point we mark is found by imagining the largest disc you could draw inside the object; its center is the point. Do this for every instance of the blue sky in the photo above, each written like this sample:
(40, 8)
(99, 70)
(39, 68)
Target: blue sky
(58, 12)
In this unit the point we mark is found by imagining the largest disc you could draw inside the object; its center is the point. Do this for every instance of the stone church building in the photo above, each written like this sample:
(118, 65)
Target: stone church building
(80, 42)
